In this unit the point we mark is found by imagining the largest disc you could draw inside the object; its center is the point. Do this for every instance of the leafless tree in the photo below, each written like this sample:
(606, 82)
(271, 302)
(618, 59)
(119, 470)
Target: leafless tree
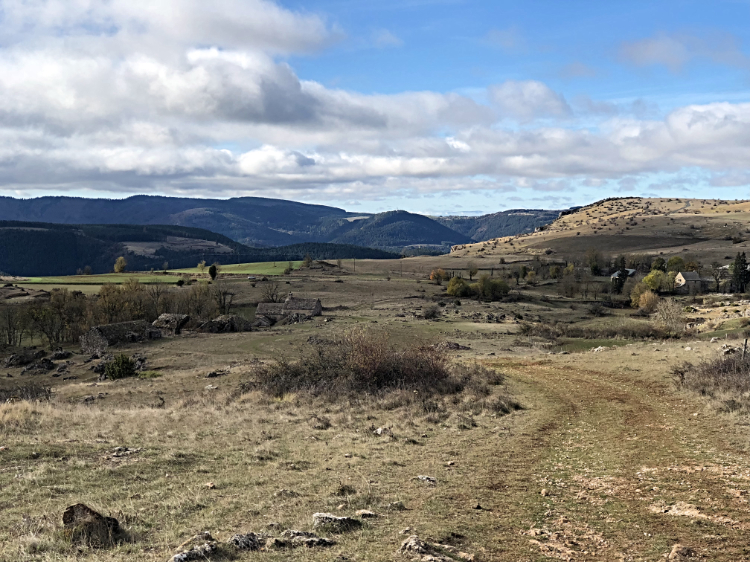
(270, 292)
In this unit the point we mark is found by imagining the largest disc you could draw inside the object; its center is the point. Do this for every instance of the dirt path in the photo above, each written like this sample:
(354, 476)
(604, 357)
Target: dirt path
(616, 466)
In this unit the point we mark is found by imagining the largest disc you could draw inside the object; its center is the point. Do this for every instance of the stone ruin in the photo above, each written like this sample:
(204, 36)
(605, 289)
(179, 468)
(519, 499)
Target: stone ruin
(269, 313)
(225, 323)
(99, 338)
(171, 324)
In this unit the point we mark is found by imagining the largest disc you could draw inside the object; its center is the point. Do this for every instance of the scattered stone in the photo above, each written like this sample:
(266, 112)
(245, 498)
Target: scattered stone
(303, 538)
(24, 357)
(171, 324)
(140, 362)
(429, 479)
(42, 366)
(250, 541)
(217, 373)
(210, 485)
(383, 431)
(599, 349)
(60, 355)
(417, 549)
(713, 340)
(366, 514)
(396, 506)
(124, 452)
(335, 523)
(451, 346)
(211, 387)
(688, 348)
(545, 492)
(83, 525)
(199, 552)
(681, 552)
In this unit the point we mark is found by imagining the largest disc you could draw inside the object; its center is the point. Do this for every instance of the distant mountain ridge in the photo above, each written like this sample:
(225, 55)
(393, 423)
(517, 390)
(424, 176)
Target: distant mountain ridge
(262, 222)
(497, 225)
(34, 249)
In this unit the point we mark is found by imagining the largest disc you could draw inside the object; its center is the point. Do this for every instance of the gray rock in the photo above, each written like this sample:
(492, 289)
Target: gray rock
(250, 541)
(303, 538)
(24, 357)
(199, 552)
(335, 523)
(171, 323)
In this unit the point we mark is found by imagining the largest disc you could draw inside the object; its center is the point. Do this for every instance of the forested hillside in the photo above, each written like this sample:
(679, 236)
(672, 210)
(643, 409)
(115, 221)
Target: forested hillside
(497, 225)
(40, 249)
(261, 222)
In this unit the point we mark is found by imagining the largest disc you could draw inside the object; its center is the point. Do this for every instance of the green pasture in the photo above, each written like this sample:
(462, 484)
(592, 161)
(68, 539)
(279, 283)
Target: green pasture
(258, 268)
(115, 278)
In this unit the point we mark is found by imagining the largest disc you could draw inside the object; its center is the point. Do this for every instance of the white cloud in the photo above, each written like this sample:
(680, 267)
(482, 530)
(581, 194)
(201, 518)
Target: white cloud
(675, 51)
(527, 100)
(192, 98)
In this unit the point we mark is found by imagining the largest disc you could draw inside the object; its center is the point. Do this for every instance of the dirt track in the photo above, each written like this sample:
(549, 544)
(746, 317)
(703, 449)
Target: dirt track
(619, 466)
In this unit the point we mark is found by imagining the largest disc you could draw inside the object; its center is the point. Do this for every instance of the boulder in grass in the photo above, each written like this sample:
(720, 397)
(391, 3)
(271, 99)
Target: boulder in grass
(249, 541)
(303, 538)
(83, 525)
(334, 523)
(171, 323)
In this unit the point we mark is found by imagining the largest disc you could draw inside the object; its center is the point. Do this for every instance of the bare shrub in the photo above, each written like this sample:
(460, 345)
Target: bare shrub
(30, 392)
(726, 379)
(611, 330)
(669, 315)
(270, 292)
(361, 363)
(431, 312)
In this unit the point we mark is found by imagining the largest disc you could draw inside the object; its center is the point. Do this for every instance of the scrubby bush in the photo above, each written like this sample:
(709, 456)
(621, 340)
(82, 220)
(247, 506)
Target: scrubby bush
(458, 287)
(431, 312)
(360, 363)
(120, 368)
(439, 275)
(726, 379)
(648, 302)
(490, 289)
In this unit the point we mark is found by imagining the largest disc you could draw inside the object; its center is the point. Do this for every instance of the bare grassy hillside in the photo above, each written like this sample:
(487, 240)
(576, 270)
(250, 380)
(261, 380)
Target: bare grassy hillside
(706, 228)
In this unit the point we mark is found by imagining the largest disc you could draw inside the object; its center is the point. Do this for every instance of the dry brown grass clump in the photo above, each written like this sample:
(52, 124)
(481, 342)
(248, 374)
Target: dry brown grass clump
(726, 380)
(362, 363)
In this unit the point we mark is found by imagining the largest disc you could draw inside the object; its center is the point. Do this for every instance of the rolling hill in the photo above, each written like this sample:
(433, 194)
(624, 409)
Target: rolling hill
(707, 230)
(42, 249)
(261, 222)
(496, 225)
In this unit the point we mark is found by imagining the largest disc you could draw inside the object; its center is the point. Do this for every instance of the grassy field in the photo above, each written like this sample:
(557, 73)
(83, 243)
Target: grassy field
(258, 268)
(607, 459)
(114, 278)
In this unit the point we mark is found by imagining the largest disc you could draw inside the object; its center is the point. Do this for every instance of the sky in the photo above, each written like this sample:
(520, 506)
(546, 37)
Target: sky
(432, 106)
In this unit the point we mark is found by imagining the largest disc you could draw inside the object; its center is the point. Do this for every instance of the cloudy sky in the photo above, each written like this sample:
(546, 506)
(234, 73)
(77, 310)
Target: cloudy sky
(435, 106)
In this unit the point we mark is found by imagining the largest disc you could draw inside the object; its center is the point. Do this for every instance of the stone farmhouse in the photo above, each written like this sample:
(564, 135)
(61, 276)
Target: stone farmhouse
(690, 283)
(292, 306)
